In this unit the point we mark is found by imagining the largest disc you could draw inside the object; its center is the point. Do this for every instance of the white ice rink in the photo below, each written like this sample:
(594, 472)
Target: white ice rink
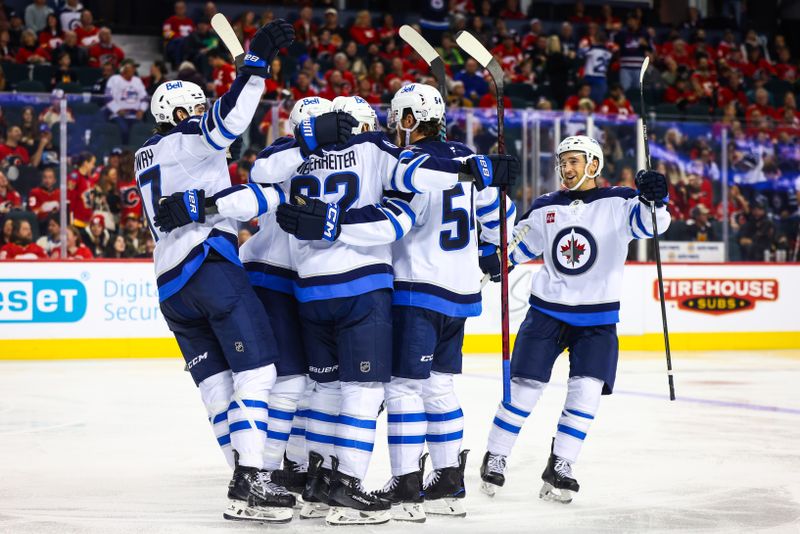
(124, 446)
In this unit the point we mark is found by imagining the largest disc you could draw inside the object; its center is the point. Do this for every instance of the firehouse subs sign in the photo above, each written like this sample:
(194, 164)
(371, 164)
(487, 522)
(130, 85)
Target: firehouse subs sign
(718, 296)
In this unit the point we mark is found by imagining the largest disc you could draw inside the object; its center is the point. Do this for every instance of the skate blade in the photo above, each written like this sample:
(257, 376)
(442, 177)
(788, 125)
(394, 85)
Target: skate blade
(489, 489)
(552, 494)
(240, 511)
(451, 507)
(313, 510)
(412, 512)
(340, 515)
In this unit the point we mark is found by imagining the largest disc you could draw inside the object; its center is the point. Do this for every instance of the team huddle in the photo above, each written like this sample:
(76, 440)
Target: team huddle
(352, 297)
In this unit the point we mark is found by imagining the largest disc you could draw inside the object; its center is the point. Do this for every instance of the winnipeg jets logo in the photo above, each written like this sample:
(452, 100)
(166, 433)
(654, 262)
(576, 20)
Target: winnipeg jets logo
(574, 250)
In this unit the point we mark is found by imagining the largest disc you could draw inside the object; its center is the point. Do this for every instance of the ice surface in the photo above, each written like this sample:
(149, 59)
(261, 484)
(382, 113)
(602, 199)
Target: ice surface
(124, 446)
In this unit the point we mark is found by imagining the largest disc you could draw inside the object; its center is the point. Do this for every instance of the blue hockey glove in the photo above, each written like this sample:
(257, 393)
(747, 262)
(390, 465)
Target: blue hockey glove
(489, 261)
(495, 170)
(652, 186)
(332, 128)
(180, 209)
(264, 46)
(310, 219)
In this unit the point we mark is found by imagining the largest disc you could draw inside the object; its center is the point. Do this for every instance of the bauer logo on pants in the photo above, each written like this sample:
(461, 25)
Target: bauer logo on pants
(717, 296)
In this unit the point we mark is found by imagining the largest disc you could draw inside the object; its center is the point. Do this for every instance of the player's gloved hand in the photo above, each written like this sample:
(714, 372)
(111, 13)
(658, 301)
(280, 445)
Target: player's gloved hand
(264, 46)
(332, 128)
(652, 187)
(180, 209)
(489, 261)
(495, 170)
(310, 219)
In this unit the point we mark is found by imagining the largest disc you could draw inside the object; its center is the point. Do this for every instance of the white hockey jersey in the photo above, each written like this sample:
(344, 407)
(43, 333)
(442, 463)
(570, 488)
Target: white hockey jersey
(354, 175)
(436, 263)
(192, 156)
(583, 238)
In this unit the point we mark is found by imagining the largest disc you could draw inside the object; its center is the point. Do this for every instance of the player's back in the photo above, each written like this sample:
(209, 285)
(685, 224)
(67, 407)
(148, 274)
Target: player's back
(170, 163)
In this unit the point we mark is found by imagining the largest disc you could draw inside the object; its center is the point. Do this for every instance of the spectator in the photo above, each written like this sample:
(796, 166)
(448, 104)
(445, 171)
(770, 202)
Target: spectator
(8, 52)
(70, 15)
(105, 51)
(87, 31)
(511, 11)
(12, 151)
(558, 70)
(489, 100)
(457, 97)
(474, 83)
(304, 26)
(105, 197)
(341, 65)
(756, 234)
(51, 236)
(64, 72)
(15, 28)
(130, 199)
(175, 31)
(101, 84)
(633, 46)
(188, 72)
(762, 105)
(79, 189)
(78, 55)
(30, 129)
(509, 53)
(616, 103)
(36, 15)
(197, 45)
(276, 84)
(128, 98)
(133, 233)
(362, 31)
(30, 52)
(97, 238)
(223, 74)
(389, 29)
(699, 227)
(449, 52)
(331, 24)
(9, 199)
(76, 250)
(52, 36)
(8, 230)
(302, 87)
(149, 247)
(584, 91)
(579, 15)
(595, 67)
(45, 199)
(118, 248)
(158, 71)
(21, 246)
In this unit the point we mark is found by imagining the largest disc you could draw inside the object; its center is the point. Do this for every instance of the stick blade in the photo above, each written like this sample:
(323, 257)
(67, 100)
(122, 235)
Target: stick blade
(418, 43)
(223, 28)
(645, 64)
(473, 47)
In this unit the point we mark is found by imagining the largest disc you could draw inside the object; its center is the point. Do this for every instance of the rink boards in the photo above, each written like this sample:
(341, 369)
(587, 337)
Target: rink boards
(107, 309)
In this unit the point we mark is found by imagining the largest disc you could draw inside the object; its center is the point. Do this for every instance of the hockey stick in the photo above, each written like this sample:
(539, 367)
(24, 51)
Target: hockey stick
(473, 47)
(511, 248)
(645, 64)
(223, 28)
(422, 47)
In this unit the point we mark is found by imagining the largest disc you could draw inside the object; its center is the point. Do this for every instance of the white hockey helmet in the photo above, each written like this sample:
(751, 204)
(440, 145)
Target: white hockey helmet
(358, 108)
(170, 96)
(310, 106)
(424, 101)
(588, 147)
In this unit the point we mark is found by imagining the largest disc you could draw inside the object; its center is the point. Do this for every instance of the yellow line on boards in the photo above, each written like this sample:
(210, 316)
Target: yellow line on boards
(66, 349)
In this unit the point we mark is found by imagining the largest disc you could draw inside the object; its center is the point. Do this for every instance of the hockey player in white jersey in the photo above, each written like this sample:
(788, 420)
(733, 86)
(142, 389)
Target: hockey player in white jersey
(582, 233)
(205, 295)
(436, 286)
(268, 262)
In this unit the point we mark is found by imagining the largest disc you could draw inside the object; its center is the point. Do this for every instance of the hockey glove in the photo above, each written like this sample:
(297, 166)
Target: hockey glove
(264, 46)
(489, 261)
(495, 170)
(310, 219)
(332, 128)
(180, 209)
(652, 187)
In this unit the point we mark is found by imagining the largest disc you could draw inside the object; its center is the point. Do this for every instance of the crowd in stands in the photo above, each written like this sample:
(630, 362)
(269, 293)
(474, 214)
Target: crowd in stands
(587, 63)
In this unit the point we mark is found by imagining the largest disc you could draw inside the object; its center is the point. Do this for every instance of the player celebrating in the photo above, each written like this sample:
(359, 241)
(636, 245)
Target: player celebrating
(582, 232)
(205, 295)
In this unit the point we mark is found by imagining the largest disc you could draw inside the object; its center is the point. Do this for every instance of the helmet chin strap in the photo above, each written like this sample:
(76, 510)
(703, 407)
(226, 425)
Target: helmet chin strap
(583, 179)
(407, 132)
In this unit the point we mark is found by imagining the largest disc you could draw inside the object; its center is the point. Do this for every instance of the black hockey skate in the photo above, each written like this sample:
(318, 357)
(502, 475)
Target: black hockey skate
(559, 485)
(492, 473)
(351, 504)
(405, 494)
(293, 476)
(444, 489)
(315, 493)
(254, 497)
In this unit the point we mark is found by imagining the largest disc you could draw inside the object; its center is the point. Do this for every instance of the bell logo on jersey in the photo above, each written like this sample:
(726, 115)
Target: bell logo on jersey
(550, 218)
(174, 85)
(574, 251)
